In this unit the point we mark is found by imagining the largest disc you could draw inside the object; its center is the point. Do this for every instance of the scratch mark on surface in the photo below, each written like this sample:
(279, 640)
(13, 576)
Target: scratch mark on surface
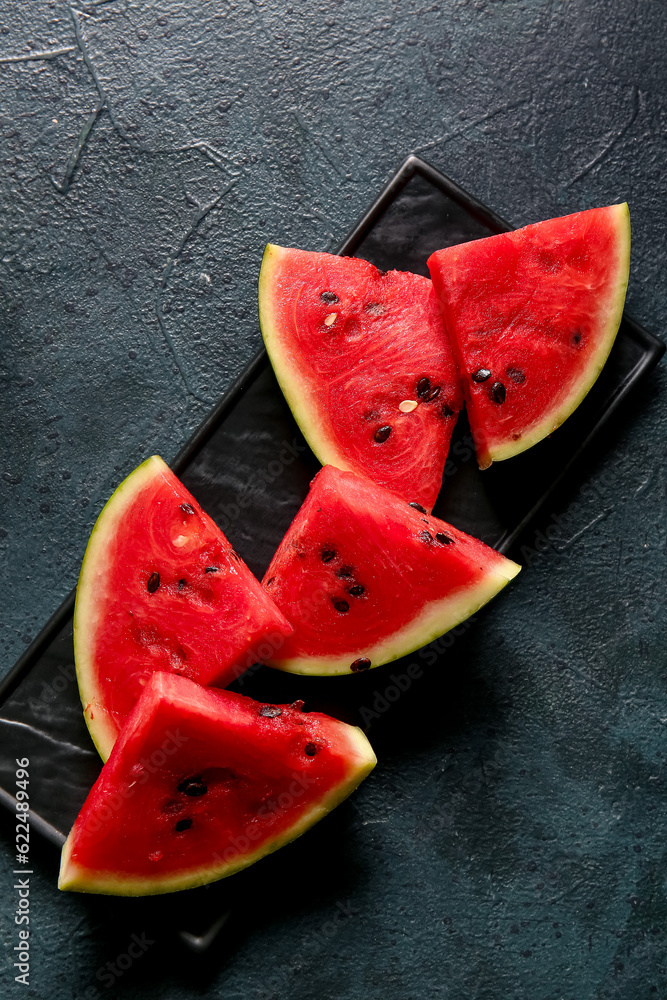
(46, 736)
(215, 156)
(320, 145)
(584, 675)
(85, 55)
(505, 109)
(30, 56)
(601, 517)
(202, 145)
(645, 485)
(63, 186)
(567, 892)
(200, 942)
(200, 215)
(637, 105)
(313, 214)
(618, 561)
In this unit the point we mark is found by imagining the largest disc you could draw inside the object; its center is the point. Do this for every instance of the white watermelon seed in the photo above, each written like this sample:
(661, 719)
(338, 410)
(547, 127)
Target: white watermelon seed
(408, 405)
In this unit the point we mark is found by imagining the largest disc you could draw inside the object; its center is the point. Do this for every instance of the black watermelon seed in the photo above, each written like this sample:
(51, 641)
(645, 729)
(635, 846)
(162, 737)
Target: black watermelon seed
(153, 582)
(344, 572)
(211, 569)
(363, 663)
(432, 394)
(341, 606)
(270, 711)
(576, 338)
(423, 387)
(382, 433)
(187, 508)
(329, 297)
(194, 787)
(183, 824)
(182, 583)
(426, 536)
(357, 590)
(194, 779)
(417, 506)
(194, 791)
(497, 392)
(270, 581)
(310, 749)
(481, 375)
(447, 411)
(516, 375)
(328, 555)
(443, 538)
(297, 705)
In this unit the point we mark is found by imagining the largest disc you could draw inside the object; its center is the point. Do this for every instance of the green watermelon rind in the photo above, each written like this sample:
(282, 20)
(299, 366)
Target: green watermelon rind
(76, 878)
(86, 622)
(300, 394)
(437, 618)
(608, 328)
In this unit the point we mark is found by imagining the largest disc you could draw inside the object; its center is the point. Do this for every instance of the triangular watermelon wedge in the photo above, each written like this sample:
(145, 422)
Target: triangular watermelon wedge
(365, 577)
(162, 589)
(532, 316)
(202, 783)
(365, 365)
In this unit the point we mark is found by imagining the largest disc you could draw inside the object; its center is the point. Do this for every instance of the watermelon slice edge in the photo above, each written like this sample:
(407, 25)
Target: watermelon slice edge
(364, 363)
(140, 833)
(480, 289)
(161, 588)
(366, 576)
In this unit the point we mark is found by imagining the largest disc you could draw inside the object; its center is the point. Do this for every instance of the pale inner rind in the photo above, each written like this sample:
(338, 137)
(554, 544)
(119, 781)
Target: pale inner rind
(87, 610)
(436, 618)
(609, 320)
(351, 743)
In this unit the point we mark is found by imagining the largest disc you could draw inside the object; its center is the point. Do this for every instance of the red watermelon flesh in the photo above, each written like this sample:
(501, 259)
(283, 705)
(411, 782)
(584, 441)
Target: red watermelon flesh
(162, 589)
(365, 577)
(365, 365)
(532, 316)
(203, 782)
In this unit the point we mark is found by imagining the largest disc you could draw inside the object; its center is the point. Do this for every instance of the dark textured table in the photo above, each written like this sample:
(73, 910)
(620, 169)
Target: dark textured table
(513, 844)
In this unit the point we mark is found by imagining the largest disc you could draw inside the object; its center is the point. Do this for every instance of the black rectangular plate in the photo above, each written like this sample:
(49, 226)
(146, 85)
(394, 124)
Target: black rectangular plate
(249, 467)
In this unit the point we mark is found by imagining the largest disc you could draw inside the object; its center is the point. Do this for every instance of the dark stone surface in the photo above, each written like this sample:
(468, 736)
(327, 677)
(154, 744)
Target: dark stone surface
(514, 846)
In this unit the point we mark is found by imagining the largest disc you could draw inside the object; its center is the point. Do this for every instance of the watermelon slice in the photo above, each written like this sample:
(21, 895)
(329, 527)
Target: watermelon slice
(202, 783)
(532, 316)
(365, 365)
(162, 589)
(365, 577)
